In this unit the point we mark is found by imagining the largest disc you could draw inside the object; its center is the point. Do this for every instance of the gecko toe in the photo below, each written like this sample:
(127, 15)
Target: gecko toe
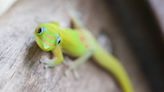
(45, 67)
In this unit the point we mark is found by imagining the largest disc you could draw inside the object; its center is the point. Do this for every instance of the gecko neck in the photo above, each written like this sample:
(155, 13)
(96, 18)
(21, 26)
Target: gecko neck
(66, 36)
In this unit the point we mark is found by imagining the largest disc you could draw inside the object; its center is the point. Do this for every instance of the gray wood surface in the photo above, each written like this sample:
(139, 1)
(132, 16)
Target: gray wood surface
(20, 70)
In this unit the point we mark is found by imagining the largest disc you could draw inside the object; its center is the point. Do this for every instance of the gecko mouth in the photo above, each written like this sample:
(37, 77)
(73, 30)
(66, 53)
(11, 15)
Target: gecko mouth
(43, 44)
(48, 46)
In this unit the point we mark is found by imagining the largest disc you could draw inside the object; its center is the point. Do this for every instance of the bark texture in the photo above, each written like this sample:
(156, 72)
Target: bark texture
(20, 70)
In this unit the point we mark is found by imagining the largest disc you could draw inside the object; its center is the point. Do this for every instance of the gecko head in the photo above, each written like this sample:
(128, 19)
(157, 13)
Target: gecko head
(47, 35)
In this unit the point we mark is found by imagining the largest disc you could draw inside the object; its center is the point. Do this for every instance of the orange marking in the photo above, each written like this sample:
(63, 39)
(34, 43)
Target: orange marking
(86, 46)
(46, 42)
(82, 38)
(49, 36)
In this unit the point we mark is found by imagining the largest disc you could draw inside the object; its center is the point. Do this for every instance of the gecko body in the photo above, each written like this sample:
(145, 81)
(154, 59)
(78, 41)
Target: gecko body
(80, 43)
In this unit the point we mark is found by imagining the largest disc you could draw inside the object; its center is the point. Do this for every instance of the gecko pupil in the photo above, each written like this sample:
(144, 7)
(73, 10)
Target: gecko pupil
(58, 41)
(39, 30)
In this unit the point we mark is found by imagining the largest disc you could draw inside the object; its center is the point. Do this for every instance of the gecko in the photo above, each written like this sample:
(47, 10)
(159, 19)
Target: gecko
(80, 43)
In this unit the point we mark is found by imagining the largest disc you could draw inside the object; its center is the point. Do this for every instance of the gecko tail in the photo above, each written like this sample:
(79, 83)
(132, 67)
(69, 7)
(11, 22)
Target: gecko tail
(111, 64)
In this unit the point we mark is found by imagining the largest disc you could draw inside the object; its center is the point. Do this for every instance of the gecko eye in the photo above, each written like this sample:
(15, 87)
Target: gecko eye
(40, 30)
(58, 40)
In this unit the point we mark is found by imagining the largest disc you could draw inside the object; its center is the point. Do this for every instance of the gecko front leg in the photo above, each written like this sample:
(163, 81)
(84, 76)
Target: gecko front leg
(57, 52)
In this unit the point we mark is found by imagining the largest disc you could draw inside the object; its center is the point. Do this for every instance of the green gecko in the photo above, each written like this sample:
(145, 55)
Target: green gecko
(78, 42)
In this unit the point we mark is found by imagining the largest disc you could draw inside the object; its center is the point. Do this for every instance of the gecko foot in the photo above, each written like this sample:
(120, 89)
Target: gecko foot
(47, 63)
(71, 69)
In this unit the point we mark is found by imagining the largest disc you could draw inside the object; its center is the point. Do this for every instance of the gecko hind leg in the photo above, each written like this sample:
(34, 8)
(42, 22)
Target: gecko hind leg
(75, 22)
(75, 64)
